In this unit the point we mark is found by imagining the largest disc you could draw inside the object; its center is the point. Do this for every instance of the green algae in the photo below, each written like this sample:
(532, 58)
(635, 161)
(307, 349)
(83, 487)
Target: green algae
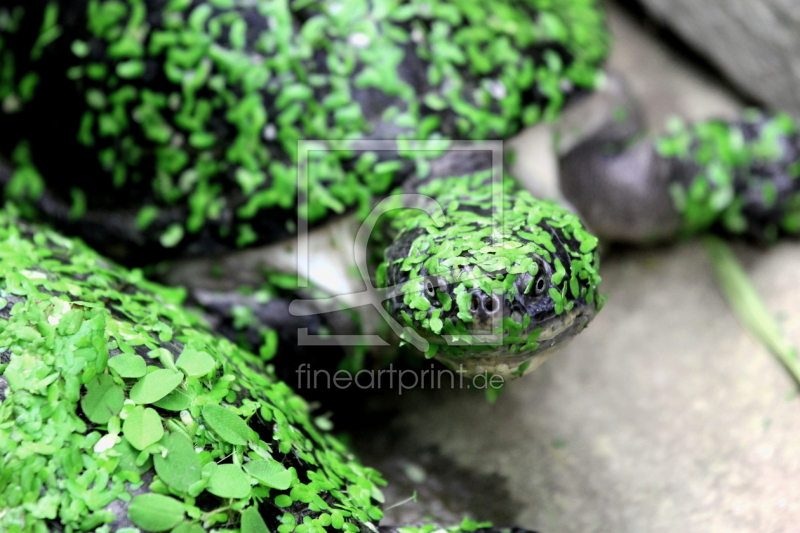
(76, 434)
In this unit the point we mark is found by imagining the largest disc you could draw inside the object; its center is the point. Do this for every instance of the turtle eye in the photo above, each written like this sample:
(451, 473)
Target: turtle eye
(435, 282)
(540, 285)
(430, 289)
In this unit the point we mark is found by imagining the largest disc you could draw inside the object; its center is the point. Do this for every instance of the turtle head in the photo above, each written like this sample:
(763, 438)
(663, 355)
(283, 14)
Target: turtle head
(496, 301)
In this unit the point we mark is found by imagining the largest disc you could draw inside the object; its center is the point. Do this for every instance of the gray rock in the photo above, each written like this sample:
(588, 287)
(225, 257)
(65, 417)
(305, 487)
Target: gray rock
(755, 43)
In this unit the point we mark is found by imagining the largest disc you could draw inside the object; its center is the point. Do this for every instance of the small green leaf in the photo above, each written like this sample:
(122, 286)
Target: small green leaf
(177, 400)
(146, 216)
(229, 481)
(283, 500)
(324, 423)
(194, 363)
(155, 386)
(493, 393)
(155, 512)
(70, 323)
(270, 473)
(252, 521)
(188, 527)
(127, 456)
(130, 69)
(464, 301)
(128, 365)
(470, 525)
(180, 467)
(228, 425)
(142, 427)
(589, 244)
(103, 399)
(172, 236)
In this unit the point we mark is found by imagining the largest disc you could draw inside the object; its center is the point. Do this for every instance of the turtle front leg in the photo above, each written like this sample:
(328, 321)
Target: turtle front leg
(738, 177)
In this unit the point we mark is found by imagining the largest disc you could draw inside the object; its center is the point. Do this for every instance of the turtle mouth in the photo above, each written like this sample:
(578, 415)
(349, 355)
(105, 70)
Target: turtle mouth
(495, 353)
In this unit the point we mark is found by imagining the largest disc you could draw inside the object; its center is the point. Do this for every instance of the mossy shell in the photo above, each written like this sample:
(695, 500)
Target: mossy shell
(178, 128)
(118, 408)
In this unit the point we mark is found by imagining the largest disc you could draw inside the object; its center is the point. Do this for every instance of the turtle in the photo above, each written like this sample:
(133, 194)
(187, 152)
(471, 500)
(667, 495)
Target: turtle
(124, 411)
(179, 124)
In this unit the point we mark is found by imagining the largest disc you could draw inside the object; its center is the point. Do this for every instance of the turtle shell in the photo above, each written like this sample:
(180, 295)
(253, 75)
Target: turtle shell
(158, 128)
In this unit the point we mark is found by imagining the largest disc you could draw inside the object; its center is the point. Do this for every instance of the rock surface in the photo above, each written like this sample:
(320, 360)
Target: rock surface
(664, 416)
(755, 44)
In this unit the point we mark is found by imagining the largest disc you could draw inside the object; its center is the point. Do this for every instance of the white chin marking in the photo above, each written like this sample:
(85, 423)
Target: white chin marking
(498, 366)
(508, 367)
(559, 327)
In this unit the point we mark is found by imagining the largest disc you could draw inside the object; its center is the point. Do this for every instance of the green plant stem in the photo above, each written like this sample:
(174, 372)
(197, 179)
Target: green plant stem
(743, 297)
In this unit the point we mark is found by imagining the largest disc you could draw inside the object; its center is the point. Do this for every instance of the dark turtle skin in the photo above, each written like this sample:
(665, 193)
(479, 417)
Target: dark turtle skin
(736, 178)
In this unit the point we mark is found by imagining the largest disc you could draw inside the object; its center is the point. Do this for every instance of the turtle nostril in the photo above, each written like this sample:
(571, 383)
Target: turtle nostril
(491, 304)
(488, 305)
